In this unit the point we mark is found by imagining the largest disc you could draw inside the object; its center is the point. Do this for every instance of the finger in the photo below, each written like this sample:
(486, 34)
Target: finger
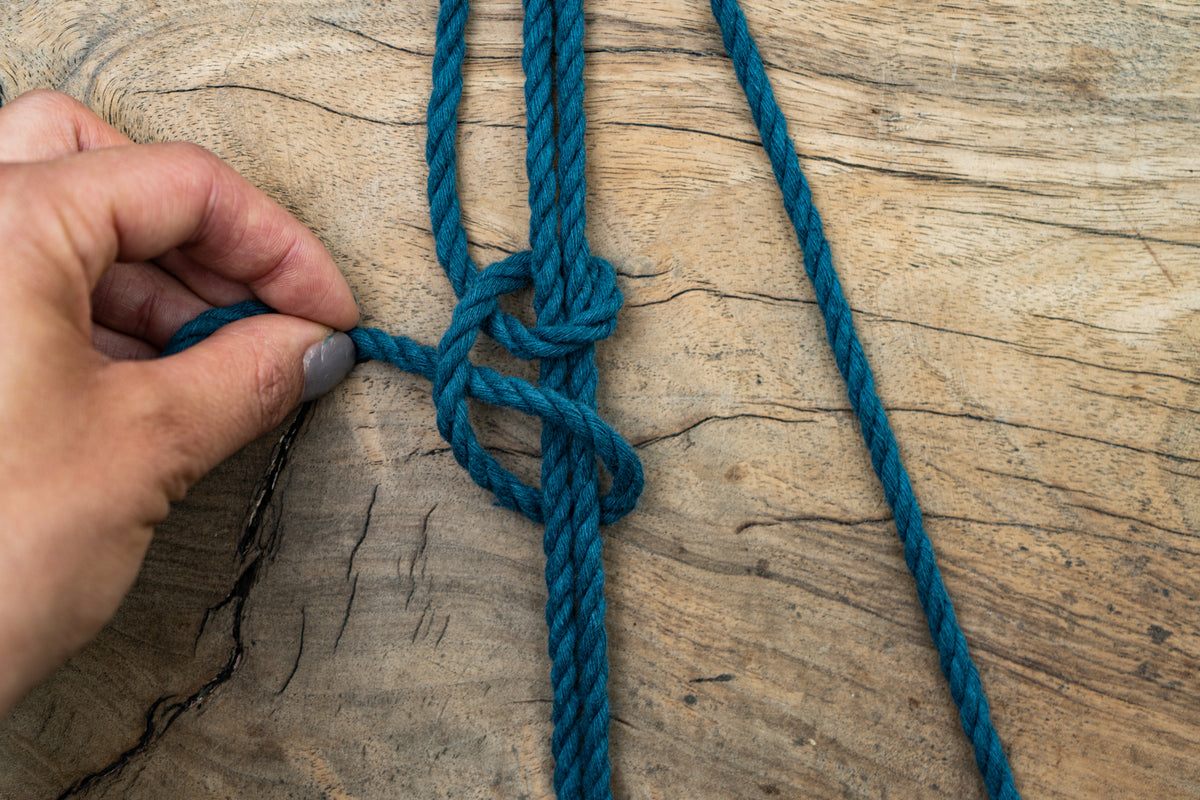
(136, 203)
(215, 289)
(44, 124)
(143, 302)
(120, 346)
(205, 403)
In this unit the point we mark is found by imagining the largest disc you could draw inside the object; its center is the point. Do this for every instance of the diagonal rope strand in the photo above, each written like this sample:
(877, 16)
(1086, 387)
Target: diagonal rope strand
(956, 663)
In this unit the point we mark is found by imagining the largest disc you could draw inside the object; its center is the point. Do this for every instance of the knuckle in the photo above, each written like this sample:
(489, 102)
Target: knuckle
(275, 388)
(59, 117)
(192, 152)
(202, 175)
(198, 165)
(49, 101)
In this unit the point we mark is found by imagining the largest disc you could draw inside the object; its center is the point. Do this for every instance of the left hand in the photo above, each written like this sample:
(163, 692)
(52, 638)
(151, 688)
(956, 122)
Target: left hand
(106, 248)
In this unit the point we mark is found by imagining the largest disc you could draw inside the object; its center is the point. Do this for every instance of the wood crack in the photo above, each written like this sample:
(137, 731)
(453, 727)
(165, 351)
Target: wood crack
(711, 418)
(363, 535)
(166, 709)
(422, 543)
(285, 96)
(849, 523)
(760, 297)
(1036, 481)
(346, 616)
(1024, 426)
(372, 39)
(1131, 237)
(299, 652)
(724, 677)
(915, 175)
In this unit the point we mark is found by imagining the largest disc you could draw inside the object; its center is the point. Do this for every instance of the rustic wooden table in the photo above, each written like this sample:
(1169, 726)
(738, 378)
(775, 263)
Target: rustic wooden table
(1012, 195)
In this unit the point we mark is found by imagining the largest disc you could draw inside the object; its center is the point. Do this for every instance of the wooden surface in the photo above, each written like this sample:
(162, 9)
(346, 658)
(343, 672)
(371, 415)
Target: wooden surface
(1012, 195)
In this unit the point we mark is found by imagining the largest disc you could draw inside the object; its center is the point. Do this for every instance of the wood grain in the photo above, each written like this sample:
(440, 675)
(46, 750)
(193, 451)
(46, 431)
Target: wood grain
(1012, 198)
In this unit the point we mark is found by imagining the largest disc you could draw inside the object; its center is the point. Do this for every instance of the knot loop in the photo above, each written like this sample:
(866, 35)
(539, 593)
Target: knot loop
(456, 379)
(588, 322)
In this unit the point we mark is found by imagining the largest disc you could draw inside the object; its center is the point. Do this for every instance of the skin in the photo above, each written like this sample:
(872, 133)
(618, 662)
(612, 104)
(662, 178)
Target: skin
(107, 248)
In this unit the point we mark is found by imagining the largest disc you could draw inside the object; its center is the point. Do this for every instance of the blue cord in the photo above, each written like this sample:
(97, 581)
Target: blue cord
(576, 301)
(956, 662)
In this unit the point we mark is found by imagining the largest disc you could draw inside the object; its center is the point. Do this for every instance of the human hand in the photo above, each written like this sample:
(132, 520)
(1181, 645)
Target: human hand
(106, 248)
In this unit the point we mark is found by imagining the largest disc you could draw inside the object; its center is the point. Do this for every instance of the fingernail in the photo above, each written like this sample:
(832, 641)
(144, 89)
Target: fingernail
(325, 364)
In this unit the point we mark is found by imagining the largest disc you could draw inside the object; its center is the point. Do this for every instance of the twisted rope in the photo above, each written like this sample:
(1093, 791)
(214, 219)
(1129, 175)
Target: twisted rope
(487, 386)
(576, 302)
(956, 662)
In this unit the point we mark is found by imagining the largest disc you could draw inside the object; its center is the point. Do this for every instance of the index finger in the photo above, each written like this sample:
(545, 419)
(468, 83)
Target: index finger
(137, 202)
(45, 124)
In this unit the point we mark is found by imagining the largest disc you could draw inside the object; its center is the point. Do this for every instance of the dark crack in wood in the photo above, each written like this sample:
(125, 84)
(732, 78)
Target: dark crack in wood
(166, 709)
(363, 535)
(420, 552)
(346, 616)
(299, 652)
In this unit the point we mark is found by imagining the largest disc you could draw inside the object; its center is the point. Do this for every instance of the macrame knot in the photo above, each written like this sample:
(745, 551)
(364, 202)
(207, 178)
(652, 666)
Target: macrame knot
(576, 299)
(456, 379)
(591, 319)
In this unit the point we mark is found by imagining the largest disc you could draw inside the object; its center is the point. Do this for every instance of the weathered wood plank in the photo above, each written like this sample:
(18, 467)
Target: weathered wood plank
(1012, 198)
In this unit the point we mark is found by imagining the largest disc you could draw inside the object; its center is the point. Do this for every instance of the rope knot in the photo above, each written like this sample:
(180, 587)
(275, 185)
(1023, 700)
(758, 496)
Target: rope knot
(455, 379)
(590, 317)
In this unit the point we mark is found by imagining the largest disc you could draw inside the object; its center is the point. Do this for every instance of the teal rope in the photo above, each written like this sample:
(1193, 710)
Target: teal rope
(576, 301)
(956, 662)
(487, 386)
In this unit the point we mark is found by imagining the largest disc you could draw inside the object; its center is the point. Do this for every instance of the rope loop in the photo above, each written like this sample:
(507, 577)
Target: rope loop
(589, 322)
(456, 380)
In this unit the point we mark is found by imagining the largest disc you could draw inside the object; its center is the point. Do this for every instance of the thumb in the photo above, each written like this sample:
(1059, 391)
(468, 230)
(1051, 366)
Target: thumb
(214, 398)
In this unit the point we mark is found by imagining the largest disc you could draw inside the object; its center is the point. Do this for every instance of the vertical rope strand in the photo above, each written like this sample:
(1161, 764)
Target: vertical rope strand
(445, 213)
(563, 290)
(581, 293)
